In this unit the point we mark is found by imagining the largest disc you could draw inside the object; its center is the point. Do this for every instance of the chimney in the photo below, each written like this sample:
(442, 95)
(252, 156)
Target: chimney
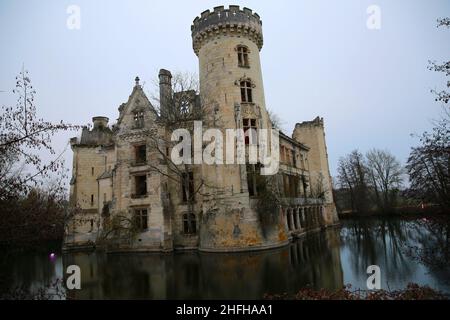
(100, 122)
(165, 90)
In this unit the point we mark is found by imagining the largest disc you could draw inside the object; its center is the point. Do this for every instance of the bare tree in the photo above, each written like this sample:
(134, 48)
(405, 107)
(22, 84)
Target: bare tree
(352, 176)
(428, 166)
(444, 67)
(318, 187)
(277, 122)
(178, 108)
(23, 136)
(385, 174)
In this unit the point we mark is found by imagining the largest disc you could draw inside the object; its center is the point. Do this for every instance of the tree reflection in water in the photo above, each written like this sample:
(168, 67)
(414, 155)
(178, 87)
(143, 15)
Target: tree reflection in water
(328, 259)
(431, 245)
(310, 261)
(392, 244)
(373, 241)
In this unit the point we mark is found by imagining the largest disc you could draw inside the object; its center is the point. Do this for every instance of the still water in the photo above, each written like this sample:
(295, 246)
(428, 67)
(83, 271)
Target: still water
(328, 259)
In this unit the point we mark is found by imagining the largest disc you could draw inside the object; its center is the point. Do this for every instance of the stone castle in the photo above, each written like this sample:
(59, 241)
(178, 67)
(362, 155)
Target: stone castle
(129, 196)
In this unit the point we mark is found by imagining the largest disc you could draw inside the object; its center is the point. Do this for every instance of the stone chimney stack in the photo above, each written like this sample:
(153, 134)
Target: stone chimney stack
(100, 122)
(165, 90)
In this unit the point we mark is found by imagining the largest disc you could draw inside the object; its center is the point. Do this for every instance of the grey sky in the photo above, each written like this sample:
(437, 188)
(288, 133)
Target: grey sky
(319, 58)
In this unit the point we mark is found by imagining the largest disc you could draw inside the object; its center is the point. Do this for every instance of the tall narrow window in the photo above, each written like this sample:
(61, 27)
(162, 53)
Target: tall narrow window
(141, 154)
(139, 119)
(243, 57)
(92, 199)
(189, 223)
(249, 126)
(141, 185)
(92, 171)
(246, 91)
(253, 173)
(187, 186)
(141, 218)
(251, 180)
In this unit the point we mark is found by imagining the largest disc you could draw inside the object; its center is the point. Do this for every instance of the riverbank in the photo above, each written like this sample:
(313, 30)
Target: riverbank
(413, 291)
(412, 212)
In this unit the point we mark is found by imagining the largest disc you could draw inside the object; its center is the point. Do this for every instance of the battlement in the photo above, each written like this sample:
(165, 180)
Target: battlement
(226, 21)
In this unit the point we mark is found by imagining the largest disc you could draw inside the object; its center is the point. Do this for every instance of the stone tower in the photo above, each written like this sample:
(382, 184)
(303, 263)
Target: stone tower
(227, 43)
(218, 37)
(312, 133)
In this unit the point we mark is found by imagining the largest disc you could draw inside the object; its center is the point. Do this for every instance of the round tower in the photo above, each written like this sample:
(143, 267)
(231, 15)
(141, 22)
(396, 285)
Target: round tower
(227, 43)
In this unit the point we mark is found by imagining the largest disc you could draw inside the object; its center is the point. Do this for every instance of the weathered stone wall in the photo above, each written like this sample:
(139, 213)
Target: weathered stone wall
(226, 216)
(228, 221)
(312, 133)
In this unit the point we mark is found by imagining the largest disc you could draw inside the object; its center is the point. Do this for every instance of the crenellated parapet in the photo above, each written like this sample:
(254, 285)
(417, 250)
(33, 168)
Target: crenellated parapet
(233, 21)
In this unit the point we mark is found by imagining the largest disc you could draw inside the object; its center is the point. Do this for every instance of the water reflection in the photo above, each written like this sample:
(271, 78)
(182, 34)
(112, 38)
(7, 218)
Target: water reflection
(328, 259)
(29, 269)
(386, 243)
(192, 275)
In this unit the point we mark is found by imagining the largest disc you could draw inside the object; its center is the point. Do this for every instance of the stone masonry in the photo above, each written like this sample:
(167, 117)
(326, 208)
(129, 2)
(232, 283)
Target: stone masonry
(126, 196)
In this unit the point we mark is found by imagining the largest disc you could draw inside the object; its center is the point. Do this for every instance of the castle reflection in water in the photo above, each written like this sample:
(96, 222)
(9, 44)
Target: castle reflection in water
(313, 260)
(326, 259)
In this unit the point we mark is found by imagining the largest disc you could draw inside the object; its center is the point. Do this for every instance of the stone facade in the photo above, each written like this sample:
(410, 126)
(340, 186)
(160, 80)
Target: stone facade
(120, 178)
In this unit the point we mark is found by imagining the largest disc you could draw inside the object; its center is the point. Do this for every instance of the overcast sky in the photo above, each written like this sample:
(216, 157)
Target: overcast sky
(319, 58)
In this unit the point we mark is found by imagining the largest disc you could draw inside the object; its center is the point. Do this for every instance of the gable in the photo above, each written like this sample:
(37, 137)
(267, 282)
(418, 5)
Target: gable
(137, 103)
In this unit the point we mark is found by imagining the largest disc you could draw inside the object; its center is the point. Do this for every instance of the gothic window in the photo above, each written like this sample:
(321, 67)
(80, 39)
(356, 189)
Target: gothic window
(140, 154)
(187, 186)
(246, 91)
(141, 185)
(92, 199)
(138, 119)
(249, 126)
(243, 57)
(189, 223)
(141, 219)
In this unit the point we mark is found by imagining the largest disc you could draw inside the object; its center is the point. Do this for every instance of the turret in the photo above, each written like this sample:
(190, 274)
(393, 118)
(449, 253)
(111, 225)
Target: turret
(221, 21)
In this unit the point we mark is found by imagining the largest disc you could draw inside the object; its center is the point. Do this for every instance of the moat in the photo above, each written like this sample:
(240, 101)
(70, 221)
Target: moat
(327, 259)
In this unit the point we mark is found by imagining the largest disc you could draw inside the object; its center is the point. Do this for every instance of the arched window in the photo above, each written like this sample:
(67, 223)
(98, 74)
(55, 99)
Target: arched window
(246, 91)
(243, 57)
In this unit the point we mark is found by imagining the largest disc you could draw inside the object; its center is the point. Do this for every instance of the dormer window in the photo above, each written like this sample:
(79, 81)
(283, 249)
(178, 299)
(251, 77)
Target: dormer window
(139, 119)
(243, 57)
(246, 91)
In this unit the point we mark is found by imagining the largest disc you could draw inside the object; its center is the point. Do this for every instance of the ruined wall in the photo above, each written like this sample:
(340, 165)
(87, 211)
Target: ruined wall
(312, 133)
